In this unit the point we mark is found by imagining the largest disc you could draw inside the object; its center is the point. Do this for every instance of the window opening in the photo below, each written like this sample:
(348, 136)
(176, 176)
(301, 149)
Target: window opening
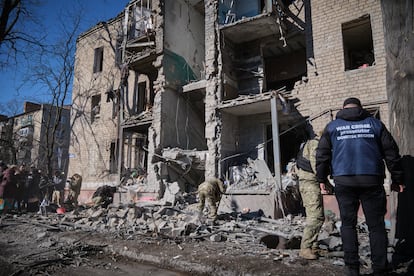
(141, 93)
(113, 163)
(358, 43)
(95, 107)
(98, 60)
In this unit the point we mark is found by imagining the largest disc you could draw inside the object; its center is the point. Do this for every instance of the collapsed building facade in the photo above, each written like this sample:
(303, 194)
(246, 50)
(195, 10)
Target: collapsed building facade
(178, 91)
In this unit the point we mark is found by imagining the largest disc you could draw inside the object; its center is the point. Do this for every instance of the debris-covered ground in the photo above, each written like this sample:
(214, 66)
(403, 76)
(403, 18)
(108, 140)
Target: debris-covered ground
(126, 239)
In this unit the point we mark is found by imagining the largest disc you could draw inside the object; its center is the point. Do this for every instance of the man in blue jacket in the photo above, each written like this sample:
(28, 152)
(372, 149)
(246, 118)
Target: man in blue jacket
(353, 149)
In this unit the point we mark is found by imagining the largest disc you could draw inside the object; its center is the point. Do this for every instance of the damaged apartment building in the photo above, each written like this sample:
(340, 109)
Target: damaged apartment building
(178, 91)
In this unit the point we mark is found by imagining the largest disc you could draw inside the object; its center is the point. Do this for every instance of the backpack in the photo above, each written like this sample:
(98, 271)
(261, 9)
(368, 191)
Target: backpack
(302, 162)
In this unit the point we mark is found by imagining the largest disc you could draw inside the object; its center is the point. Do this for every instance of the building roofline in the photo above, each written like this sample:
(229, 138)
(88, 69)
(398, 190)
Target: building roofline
(100, 25)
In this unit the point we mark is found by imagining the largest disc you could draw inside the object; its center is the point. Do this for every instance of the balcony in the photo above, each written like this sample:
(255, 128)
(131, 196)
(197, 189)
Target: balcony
(139, 30)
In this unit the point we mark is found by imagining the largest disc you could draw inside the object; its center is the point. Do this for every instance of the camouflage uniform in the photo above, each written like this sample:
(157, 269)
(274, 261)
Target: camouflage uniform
(210, 190)
(311, 197)
(75, 185)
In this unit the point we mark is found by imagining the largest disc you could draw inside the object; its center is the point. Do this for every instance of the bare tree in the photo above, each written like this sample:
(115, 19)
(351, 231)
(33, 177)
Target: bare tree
(53, 72)
(18, 30)
(399, 46)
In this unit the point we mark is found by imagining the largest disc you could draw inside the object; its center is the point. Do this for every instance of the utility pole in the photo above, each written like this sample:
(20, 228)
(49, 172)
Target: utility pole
(122, 87)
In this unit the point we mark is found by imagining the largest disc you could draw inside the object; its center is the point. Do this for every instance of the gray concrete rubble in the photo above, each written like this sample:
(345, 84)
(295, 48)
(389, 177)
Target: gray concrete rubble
(178, 237)
(183, 221)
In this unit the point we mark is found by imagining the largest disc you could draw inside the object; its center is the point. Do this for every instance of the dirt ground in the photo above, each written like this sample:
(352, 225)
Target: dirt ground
(32, 245)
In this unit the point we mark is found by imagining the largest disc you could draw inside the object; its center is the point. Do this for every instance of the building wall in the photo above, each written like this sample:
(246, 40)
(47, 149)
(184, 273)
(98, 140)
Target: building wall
(33, 128)
(329, 84)
(184, 36)
(6, 139)
(57, 134)
(91, 139)
(181, 126)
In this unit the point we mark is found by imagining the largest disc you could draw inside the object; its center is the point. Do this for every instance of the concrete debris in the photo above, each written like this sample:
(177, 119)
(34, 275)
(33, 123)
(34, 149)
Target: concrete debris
(217, 238)
(170, 193)
(279, 239)
(252, 176)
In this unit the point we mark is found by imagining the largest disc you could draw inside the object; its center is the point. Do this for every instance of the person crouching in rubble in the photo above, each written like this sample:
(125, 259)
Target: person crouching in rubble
(75, 184)
(103, 196)
(210, 190)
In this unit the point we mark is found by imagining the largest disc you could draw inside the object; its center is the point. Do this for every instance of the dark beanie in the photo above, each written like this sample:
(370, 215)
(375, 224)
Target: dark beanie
(353, 101)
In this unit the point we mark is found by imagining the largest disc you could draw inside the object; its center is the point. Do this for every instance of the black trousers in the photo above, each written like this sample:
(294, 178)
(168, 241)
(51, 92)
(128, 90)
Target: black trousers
(373, 200)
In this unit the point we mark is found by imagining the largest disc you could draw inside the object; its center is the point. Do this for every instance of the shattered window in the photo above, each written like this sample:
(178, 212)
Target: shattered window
(358, 44)
(98, 60)
(95, 107)
(113, 164)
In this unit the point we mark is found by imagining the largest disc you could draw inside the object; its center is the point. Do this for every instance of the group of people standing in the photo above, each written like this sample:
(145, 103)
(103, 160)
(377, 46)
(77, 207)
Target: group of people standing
(23, 189)
(352, 151)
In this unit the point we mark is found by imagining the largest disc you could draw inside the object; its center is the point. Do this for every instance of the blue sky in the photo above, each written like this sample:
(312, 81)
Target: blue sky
(12, 89)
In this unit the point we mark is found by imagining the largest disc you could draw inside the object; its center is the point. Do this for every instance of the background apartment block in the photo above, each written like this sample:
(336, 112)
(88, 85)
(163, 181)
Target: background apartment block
(6, 133)
(182, 90)
(38, 137)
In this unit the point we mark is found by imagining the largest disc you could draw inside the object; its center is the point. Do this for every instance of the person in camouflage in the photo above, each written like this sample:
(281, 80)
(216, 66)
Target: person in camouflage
(210, 190)
(75, 185)
(312, 198)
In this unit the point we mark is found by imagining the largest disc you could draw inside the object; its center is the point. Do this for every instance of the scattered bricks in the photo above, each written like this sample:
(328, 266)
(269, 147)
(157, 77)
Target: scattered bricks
(190, 228)
(177, 231)
(47, 244)
(113, 222)
(98, 213)
(122, 213)
(230, 226)
(115, 206)
(164, 228)
(170, 193)
(152, 226)
(112, 213)
(81, 221)
(168, 211)
(157, 215)
(41, 235)
(140, 220)
(102, 227)
(333, 243)
(217, 238)
(121, 223)
(95, 225)
(162, 224)
(89, 212)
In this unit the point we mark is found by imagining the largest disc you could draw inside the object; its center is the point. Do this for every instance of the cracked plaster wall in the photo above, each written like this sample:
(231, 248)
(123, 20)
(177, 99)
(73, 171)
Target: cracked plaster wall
(184, 35)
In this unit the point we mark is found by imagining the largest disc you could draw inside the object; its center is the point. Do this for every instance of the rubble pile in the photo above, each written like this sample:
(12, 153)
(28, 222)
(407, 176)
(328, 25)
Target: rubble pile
(253, 176)
(129, 220)
(183, 222)
(180, 225)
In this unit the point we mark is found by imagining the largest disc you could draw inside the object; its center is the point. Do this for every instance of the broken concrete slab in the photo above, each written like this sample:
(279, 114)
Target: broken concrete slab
(170, 193)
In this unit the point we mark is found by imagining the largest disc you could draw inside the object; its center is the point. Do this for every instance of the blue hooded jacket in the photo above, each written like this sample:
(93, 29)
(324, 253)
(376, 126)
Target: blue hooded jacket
(353, 149)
